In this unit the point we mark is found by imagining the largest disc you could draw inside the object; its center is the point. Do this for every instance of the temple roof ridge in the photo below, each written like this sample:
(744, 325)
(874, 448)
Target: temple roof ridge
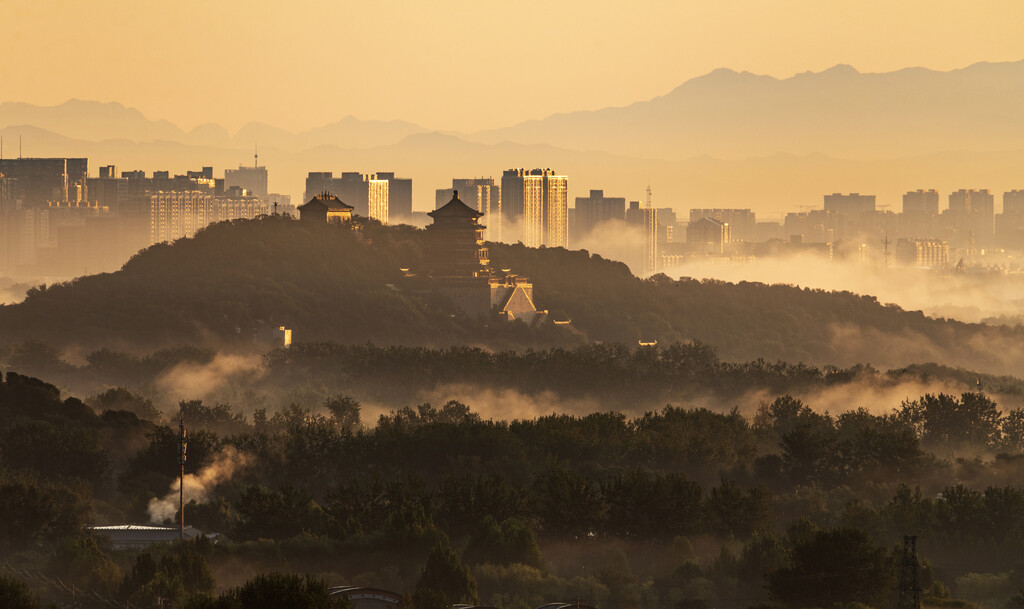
(455, 209)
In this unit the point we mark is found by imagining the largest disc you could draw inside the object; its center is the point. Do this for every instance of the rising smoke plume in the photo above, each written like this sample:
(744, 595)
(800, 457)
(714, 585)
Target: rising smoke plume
(198, 486)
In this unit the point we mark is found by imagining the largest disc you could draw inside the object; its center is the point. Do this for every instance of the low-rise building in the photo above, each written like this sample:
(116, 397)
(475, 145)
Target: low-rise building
(326, 209)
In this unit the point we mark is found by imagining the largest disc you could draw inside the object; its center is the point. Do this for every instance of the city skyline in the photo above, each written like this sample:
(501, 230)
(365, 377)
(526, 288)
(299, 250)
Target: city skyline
(595, 58)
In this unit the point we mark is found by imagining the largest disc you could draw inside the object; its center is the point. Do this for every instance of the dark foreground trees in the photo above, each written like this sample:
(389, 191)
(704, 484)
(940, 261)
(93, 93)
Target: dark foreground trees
(274, 591)
(15, 594)
(840, 566)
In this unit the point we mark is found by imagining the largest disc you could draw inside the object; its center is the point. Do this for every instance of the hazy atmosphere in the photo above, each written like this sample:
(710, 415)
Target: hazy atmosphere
(253, 61)
(521, 305)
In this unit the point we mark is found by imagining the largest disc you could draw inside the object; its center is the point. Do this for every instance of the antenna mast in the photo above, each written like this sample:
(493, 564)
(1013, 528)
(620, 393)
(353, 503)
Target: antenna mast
(256, 156)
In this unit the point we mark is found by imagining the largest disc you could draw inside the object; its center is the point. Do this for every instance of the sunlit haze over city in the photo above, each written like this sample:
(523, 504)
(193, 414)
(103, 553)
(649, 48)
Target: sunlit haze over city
(511, 305)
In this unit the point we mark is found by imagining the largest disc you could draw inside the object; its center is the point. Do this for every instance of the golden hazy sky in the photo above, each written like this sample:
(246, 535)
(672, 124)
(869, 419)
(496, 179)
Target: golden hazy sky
(458, 64)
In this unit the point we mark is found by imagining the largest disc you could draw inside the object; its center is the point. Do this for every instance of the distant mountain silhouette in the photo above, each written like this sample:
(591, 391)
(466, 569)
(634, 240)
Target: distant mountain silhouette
(726, 114)
(839, 112)
(90, 120)
(97, 121)
(724, 139)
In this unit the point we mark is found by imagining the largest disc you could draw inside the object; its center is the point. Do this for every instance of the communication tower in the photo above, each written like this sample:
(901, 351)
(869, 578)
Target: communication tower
(910, 586)
(182, 447)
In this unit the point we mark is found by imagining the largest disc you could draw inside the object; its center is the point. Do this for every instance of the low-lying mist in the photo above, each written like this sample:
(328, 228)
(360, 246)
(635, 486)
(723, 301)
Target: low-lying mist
(13, 290)
(510, 385)
(615, 240)
(243, 383)
(876, 395)
(189, 380)
(967, 297)
(970, 297)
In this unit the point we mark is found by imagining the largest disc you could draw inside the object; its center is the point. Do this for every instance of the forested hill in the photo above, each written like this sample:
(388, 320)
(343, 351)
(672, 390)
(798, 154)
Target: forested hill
(329, 283)
(748, 320)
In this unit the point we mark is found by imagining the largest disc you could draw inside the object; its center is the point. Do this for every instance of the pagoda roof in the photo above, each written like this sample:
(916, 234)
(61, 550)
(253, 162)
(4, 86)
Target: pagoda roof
(327, 200)
(455, 209)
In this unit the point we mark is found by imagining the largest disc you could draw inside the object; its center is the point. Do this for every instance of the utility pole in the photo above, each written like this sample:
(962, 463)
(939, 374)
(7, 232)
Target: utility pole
(182, 446)
(910, 587)
(885, 256)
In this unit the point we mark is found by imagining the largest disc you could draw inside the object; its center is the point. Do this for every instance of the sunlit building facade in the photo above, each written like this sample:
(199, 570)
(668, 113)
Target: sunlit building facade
(377, 199)
(399, 197)
(930, 253)
(537, 201)
(174, 215)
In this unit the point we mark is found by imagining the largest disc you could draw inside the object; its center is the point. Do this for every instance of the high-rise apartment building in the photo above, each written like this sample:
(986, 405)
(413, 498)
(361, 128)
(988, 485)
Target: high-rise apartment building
(317, 183)
(921, 202)
(38, 182)
(708, 236)
(377, 199)
(816, 226)
(920, 211)
(597, 209)
(111, 193)
(252, 179)
(929, 253)
(1010, 223)
(971, 218)
(972, 201)
(399, 197)
(174, 215)
(536, 201)
(1013, 202)
(742, 222)
(353, 188)
(851, 204)
(6, 189)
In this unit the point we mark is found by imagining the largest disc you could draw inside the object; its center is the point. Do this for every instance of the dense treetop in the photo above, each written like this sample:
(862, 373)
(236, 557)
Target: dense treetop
(677, 505)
